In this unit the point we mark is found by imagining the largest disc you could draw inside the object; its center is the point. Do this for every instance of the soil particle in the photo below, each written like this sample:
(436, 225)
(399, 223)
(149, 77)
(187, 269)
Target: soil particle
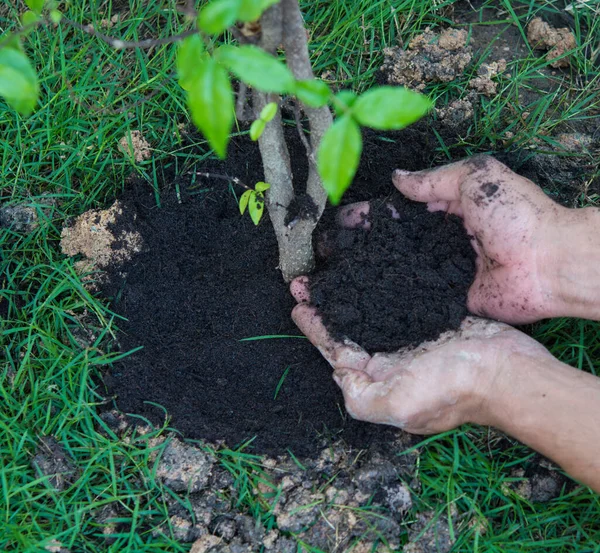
(92, 236)
(183, 467)
(53, 461)
(402, 283)
(54, 546)
(135, 146)
(483, 83)
(435, 536)
(429, 58)
(457, 112)
(537, 483)
(557, 41)
(18, 218)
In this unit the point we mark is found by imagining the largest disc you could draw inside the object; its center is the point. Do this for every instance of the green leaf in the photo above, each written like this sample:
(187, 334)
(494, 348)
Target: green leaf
(262, 186)
(244, 200)
(390, 108)
(268, 112)
(188, 56)
(219, 15)
(312, 92)
(256, 129)
(251, 10)
(55, 16)
(256, 68)
(11, 41)
(346, 98)
(210, 99)
(338, 156)
(18, 81)
(35, 5)
(256, 206)
(29, 19)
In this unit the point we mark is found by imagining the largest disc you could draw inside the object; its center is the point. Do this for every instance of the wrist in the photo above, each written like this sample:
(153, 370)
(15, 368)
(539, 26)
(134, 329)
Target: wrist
(569, 262)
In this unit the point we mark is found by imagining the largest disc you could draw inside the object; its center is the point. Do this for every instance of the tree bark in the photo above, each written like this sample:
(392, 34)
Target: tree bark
(283, 23)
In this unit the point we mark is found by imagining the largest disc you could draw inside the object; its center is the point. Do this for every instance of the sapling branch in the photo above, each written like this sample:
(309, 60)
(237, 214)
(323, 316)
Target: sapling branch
(119, 44)
(234, 180)
(241, 102)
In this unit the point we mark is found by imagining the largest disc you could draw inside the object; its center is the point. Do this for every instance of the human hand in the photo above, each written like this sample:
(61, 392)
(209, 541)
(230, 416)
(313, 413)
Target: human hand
(520, 235)
(432, 388)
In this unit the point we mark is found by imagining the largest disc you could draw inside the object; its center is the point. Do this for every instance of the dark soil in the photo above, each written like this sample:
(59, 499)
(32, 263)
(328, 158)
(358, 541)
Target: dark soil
(208, 278)
(399, 284)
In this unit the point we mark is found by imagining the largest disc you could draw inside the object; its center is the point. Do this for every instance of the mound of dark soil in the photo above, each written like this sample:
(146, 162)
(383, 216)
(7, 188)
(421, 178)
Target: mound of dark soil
(402, 282)
(206, 280)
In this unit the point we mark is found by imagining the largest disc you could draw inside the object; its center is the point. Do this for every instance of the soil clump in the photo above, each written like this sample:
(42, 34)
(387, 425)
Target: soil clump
(403, 282)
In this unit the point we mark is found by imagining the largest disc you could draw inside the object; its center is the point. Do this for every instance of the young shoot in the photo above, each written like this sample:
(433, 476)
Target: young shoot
(254, 200)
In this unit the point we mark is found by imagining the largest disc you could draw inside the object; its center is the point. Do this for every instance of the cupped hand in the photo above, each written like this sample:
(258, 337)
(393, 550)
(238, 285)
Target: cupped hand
(512, 224)
(424, 390)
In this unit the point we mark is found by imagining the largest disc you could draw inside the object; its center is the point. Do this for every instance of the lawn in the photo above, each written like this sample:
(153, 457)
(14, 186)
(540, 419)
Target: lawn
(58, 338)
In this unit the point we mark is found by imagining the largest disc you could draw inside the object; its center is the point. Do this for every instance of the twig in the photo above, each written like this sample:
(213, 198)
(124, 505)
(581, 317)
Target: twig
(119, 44)
(240, 105)
(234, 180)
(309, 152)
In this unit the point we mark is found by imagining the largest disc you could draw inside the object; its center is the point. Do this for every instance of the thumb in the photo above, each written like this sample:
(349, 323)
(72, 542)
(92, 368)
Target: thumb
(433, 185)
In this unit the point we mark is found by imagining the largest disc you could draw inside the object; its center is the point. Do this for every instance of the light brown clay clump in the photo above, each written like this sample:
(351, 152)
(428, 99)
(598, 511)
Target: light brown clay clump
(483, 83)
(93, 237)
(135, 146)
(430, 57)
(558, 41)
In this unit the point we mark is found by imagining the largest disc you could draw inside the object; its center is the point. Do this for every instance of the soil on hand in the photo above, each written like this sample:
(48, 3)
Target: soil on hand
(403, 282)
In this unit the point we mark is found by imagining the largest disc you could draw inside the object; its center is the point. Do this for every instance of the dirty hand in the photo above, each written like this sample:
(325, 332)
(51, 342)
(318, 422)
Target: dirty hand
(432, 388)
(535, 258)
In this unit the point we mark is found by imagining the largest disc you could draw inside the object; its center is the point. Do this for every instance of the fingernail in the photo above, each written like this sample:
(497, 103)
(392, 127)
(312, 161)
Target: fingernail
(401, 173)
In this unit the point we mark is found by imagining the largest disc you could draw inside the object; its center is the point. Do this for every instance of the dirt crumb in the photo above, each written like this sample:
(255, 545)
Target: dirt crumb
(92, 236)
(52, 460)
(205, 544)
(557, 41)
(483, 83)
(436, 534)
(457, 113)
(575, 142)
(18, 218)
(430, 57)
(136, 146)
(184, 467)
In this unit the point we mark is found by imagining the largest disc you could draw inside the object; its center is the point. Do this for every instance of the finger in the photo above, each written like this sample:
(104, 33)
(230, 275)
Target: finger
(338, 355)
(433, 185)
(354, 215)
(299, 289)
(366, 400)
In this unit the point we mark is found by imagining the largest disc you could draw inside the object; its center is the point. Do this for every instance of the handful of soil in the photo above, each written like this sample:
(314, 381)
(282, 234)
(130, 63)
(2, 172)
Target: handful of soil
(400, 283)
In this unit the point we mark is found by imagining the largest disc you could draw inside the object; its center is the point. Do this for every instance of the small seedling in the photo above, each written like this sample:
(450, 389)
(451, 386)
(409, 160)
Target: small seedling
(254, 200)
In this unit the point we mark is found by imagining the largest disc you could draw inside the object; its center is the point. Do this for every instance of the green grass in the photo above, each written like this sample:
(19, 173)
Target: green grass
(65, 159)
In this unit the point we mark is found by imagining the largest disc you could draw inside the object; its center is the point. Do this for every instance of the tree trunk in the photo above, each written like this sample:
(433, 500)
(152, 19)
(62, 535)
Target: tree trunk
(283, 23)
